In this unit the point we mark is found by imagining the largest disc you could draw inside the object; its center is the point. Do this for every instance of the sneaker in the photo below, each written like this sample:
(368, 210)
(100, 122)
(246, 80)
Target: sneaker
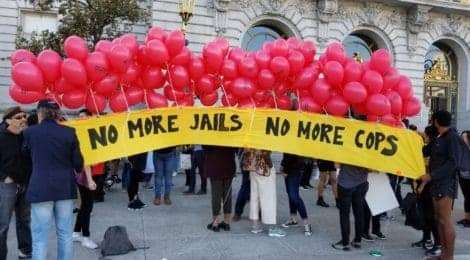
(150, 187)
(307, 230)
(88, 243)
(435, 251)
(304, 187)
(224, 226)
(133, 205)
(157, 201)
(341, 246)
(322, 203)
(201, 192)
(421, 244)
(367, 238)
(236, 218)
(167, 200)
(290, 223)
(140, 204)
(22, 255)
(256, 230)
(213, 228)
(76, 237)
(276, 232)
(309, 186)
(428, 244)
(380, 236)
(188, 192)
(356, 244)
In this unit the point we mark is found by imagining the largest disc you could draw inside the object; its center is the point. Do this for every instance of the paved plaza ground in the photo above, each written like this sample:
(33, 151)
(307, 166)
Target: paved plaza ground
(179, 231)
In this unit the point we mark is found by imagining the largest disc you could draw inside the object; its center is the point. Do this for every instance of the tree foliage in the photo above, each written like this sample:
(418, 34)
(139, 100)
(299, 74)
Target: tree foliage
(91, 19)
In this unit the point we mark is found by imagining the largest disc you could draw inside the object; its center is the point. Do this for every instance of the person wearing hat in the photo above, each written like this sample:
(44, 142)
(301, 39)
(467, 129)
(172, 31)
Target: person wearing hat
(56, 156)
(14, 174)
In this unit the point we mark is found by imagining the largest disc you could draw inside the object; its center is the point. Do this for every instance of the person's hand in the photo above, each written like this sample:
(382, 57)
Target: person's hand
(420, 188)
(91, 185)
(425, 178)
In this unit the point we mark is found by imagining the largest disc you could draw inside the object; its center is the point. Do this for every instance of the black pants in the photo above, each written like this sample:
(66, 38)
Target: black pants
(465, 186)
(375, 221)
(243, 194)
(82, 224)
(430, 223)
(221, 194)
(133, 185)
(395, 183)
(307, 173)
(354, 197)
(197, 160)
(12, 199)
(99, 192)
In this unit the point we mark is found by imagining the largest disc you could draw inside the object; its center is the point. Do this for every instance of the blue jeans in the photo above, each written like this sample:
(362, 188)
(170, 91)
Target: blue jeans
(296, 204)
(41, 216)
(165, 165)
(243, 194)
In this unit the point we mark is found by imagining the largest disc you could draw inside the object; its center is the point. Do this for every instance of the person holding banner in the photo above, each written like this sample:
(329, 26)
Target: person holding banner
(138, 163)
(219, 164)
(262, 190)
(327, 173)
(165, 161)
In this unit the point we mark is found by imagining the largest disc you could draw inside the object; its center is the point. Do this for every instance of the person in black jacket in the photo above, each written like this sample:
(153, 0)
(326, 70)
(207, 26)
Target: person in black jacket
(14, 174)
(443, 172)
(56, 156)
(293, 166)
(137, 163)
(464, 180)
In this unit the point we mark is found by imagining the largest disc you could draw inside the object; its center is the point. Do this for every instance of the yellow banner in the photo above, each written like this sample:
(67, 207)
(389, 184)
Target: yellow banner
(370, 145)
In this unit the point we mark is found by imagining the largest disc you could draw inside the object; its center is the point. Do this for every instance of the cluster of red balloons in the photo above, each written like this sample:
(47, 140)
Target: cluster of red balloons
(163, 71)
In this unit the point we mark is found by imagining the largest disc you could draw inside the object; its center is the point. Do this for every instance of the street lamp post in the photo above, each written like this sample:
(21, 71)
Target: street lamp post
(186, 12)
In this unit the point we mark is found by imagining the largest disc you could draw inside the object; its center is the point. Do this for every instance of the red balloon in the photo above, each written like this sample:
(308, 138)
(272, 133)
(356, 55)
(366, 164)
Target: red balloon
(391, 80)
(153, 78)
(334, 73)
(95, 103)
(24, 97)
(74, 99)
(293, 43)
(155, 100)
(355, 92)
(248, 67)
(134, 95)
(305, 79)
(335, 52)
(243, 88)
(74, 72)
(174, 42)
(261, 95)
(236, 54)
(173, 94)
(61, 86)
(118, 102)
(120, 58)
(131, 75)
(283, 102)
(296, 62)
(223, 44)
(280, 67)
(378, 104)
(104, 46)
(49, 63)
(352, 72)
(412, 107)
(308, 49)
(209, 99)
(97, 66)
(359, 109)
(381, 61)
(186, 101)
(373, 118)
(229, 100)
(130, 42)
(22, 55)
(205, 85)
(75, 47)
(396, 102)
(320, 91)
(262, 59)
(107, 85)
(156, 33)
(179, 77)
(337, 106)
(280, 48)
(268, 47)
(213, 57)
(373, 81)
(196, 68)
(28, 76)
(309, 105)
(404, 88)
(229, 69)
(142, 56)
(266, 79)
(182, 58)
(366, 66)
(389, 120)
(280, 89)
(157, 52)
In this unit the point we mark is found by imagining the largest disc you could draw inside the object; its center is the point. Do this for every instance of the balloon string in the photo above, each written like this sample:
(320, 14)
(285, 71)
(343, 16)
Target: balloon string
(298, 100)
(145, 98)
(275, 99)
(225, 95)
(94, 102)
(171, 84)
(125, 99)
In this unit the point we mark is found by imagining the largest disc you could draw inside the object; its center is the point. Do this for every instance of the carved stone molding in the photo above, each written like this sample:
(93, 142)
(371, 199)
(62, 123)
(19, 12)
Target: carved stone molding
(417, 17)
(278, 7)
(220, 17)
(326, 9)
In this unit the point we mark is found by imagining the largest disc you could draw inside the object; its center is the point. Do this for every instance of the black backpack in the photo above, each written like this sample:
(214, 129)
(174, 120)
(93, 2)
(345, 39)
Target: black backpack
(413, 211)
(116, 242)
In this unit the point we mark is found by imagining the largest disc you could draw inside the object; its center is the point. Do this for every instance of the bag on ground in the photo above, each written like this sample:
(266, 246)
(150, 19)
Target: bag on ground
(116, 242)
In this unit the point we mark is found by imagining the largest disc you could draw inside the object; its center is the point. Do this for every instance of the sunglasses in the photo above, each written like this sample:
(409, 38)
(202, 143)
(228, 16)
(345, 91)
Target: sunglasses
(20, 117)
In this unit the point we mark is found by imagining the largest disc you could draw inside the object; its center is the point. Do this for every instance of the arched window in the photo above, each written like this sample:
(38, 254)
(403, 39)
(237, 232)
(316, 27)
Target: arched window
(254, 38)
(359, 46)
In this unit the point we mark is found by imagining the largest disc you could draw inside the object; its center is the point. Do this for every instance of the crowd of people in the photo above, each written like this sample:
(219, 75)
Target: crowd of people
(41, 169)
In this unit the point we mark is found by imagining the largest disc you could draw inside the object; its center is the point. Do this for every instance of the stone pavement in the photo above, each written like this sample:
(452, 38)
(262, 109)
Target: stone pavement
(179, 231)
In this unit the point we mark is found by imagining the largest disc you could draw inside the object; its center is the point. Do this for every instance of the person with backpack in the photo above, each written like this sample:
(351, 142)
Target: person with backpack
(464, 180)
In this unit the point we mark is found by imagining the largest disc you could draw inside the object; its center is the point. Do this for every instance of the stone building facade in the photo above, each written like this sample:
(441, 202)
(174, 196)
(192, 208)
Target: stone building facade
(429, 39)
